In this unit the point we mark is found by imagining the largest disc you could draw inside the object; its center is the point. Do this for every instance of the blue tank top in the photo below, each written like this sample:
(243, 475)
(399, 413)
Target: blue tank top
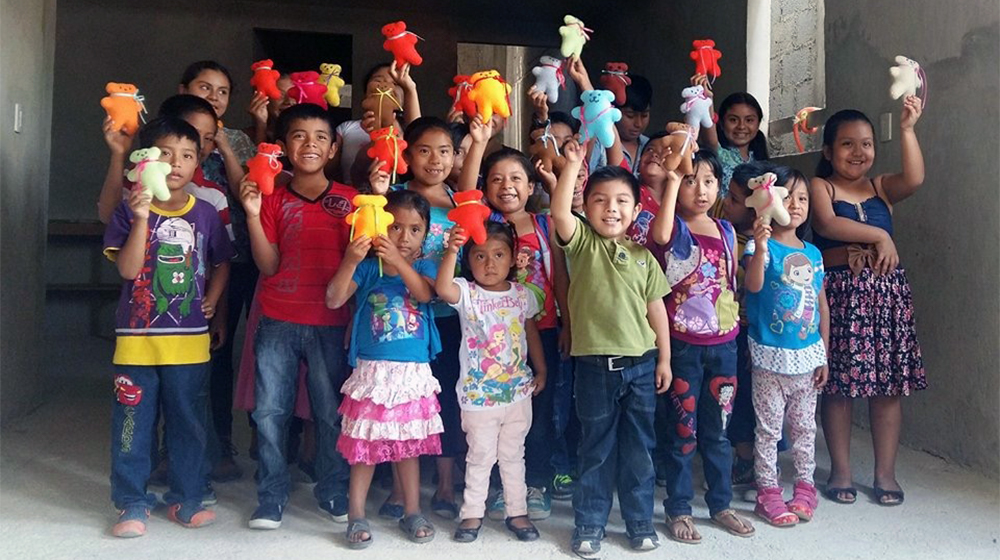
(873, 211)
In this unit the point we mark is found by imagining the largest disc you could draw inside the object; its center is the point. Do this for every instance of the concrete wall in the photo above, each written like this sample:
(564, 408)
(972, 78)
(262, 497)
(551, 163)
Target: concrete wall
(798, 74)
(26, 79)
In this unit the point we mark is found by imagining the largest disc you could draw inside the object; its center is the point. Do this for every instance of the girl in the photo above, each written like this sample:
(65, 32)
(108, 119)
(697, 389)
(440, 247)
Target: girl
(789, 329)
(540, 266)
(698, 253)
(390, 411)
(874, 351)
(652, 177)
(496, 383)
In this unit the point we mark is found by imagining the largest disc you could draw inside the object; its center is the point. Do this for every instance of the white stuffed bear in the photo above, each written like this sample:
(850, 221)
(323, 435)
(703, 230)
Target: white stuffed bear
(906, 77)
(697, 107)
(549, 77)
(149, 172)
(768, 200)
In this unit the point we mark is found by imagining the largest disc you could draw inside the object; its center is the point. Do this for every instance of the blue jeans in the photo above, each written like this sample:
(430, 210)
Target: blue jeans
(616, 438)
(183, 392)
(279, 346)
(567, 427)
(538, 443)
(698, 405)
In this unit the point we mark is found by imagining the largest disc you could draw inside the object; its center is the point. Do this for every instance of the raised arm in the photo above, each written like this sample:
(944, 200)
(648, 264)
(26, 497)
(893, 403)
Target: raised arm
(234, 170)
(901, 185)
(119, 143)
(342, 285)
(561, 202)
(411, 101)
(663, 225)
(481, 133)
(754, 280)
(265, 253)
(131, 256)
(578, 72)
(445, 283)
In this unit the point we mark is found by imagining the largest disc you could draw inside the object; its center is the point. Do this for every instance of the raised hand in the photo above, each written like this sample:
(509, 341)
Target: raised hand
(119, 141)
(250, 197)
(913, 107)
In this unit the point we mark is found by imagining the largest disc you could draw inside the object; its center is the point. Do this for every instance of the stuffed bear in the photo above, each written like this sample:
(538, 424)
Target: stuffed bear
(402, 44)
(597, 117)
(543, 148)
(489, 93)
(907, 76)
(470, 214)
(265, 78)
(615, 78)
(123, 105)
(264, 167)
(149, 172)
(768, 200)
(706, 58)
(574, 35)
(388, 146)
(697, 107)
(381, 100)
(329, 75)
(678, 148)
(549, 77)
(369, 216)
(460, 94)
(307, 89)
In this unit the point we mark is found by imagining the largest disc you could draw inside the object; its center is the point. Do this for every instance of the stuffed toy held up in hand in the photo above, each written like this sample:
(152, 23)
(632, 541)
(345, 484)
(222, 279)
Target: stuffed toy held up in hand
(369, 217)
(574, 35)
(460, 96)
(489, 93)
(265, 78)
(307, 89)
(543, 148)
(706, 58)
(380, 99)
(402, 44)
(329, 75)
(597, 117)
(907, 77)
(470, 214)
(678, 148)
(264, 167)
(388, 146)
(150, 173)
(124, 105)
(697, 107)
(768, 199)
(614, 78)
(549, 77)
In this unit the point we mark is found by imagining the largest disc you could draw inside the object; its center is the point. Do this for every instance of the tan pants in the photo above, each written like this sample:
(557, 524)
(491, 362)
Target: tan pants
(496, 435)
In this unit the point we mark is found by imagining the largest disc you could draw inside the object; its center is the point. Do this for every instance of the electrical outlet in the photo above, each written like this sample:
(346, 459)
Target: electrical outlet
(18, 117)
(885, 127)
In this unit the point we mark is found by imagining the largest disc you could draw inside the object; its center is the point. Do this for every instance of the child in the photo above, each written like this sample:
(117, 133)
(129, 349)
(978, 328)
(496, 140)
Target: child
(298, 235)
(874, 351)
(789, 329)
(496, 384)
(631, 128)
(164, 250)
(699, 258)
(462, 141)
(540, 266)
(390, 409)
(621, 342)
(652, 177)
(266, 113)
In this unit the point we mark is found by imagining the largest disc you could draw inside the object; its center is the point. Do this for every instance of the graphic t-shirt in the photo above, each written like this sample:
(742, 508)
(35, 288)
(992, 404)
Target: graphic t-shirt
(159, 319)
(530, 265)
(390, 324)
(435, 243)
(638, 231)
(494, 349)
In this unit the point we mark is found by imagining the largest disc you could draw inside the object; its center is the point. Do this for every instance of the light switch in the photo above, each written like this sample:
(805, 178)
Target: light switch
(885, 127)
(18, 117)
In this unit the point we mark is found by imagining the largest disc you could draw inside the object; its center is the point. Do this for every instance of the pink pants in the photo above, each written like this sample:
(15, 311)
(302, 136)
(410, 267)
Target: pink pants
(496, 435)
(778, 398)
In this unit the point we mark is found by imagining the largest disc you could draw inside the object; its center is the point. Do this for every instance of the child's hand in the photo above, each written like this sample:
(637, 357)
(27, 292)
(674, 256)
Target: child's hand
(455, 116)
(378, 178)
(820, 376)
(250, 197)
(138, 201)
(368, 121)
(913, 107)
(456, 239)
(540, 378)
(761, 233)
(221, 141)
(208, 308)
(402, 76)
(578, 72)
(216, 330)
(547, 177)
(480, 131)
(664, 376)
(540, 102)
(565, 342)
(258, 108)
(887, 258)
(573, 151)
(119, 141)
(388, 252)
(357, 250)
(702, 80)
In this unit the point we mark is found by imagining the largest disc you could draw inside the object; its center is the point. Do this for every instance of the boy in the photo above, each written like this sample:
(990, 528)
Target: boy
(297, 236)
(164, 250)
(619, 370)
(634, 121)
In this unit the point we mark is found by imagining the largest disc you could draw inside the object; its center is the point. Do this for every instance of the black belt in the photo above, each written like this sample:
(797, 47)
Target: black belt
(618, 363)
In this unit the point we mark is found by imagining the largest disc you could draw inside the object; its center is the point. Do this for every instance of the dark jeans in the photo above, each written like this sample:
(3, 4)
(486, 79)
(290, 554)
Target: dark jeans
(445, 369)
(567, 427)
(538, 443)
(183, 392)
(698, 405)
(279, 346)
(616, 439)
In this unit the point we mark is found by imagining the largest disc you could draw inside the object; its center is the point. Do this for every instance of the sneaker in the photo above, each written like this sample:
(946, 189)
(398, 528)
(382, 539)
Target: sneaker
(641, 535)
(198, 517)
(539, 503)
(209, 498)
(131, 522)
(562, 487)
(661, 482)
(226, 469)
(771, 508)
(587, 541)
(496, 509)
(743, 472)
(266, 516)
(337, 508)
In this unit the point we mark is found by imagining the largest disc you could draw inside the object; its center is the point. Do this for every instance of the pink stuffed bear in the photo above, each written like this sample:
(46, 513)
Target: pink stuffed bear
(306, 88)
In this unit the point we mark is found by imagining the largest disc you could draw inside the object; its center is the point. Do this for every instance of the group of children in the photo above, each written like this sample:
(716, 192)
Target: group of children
(616, 317)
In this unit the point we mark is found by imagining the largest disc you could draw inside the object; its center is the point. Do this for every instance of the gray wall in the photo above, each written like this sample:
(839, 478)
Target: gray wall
(25, 78)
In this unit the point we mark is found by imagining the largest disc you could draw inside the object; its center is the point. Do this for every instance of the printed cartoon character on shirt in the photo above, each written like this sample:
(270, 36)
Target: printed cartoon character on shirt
(496, 380)
(395, 315)
(174, 267)
(696, 313)
(531, 276)
(796, 296)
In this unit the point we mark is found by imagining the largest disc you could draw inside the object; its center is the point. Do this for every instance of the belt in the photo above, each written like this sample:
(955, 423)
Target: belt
(856, 256)
(618, 363)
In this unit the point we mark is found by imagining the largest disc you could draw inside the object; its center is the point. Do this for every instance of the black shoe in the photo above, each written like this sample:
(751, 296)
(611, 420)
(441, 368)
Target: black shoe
(467, 535)
(337, 508)
(587, 541)
(529, 533)
(641, 535)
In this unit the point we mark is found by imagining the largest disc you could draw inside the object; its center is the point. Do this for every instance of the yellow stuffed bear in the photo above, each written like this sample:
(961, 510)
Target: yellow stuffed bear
(370, 217)
(329, 74)
(489, 93)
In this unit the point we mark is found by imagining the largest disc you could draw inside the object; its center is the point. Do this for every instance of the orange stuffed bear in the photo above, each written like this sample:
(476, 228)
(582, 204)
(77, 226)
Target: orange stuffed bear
(265, 78)
(123, 105)
(388, 146)
(264, 167)
(369, 217)
(402, 44)
(489, 93)
(470, 214)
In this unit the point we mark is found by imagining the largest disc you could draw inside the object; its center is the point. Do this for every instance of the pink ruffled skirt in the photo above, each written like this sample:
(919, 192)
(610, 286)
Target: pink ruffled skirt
(390, 412)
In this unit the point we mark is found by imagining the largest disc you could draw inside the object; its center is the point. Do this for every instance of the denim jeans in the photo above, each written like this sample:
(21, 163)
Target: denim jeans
(567, 427)
(183, 392)
(445, 368)
(538, 444)
(616, 439)
(698, 406)
(279, 346)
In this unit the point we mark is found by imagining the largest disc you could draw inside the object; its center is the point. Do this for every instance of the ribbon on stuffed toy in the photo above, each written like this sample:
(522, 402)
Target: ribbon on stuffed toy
(766, 187)
(139, 99)
(560, 75)
(701, 55)
(382, 93)
(351, 236)
(690, 102)
(547, 137)
(585, 123)
(801, 123)
(506, 94)
(585, 31)
(272, 159)
(404, 34)
(458, 94)
(395, 150)
(688, 139)
(617, 73)
(302, 91)
(859, 257)
(923, 86)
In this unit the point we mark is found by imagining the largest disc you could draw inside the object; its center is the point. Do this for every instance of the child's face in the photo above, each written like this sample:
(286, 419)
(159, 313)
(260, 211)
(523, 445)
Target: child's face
(463, 148)
(740, 124)
(431, 157)
(561, 132)
(182, 155)
(274, 108)
(507, 187)
(407, 232)
(651, 169)
(309, 145)
(797, 204)
(212, 86)
(382, 75)
(490, 263)
(610, 208)
(632, 124)
(207, 128)
(734, 207)
(578, 188)
(853, 151)
(698, 192)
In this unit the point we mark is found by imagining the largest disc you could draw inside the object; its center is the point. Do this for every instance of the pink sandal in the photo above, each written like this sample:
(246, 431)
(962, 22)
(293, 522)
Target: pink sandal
(804, 500)
(771, 508)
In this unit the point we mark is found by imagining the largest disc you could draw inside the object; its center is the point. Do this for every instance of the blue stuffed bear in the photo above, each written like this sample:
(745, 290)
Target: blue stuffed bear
(597, 117)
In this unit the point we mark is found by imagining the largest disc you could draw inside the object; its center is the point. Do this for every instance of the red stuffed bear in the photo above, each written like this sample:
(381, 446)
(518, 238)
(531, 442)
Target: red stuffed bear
(388, 146)
(706, 58)
(460, 93)
(306, 88)
(401, 43)
(265, 78)
(264, 167)
(470, 214)
(615, 78)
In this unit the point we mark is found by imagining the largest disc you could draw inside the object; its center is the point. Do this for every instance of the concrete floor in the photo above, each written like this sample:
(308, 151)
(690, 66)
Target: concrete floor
(54, 503)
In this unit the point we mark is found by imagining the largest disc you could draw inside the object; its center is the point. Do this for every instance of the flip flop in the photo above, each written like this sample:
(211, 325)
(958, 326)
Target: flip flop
(833, 493)
(355, 527)
(688, 523)
(895, 497)
(717, 519)
(413, 523)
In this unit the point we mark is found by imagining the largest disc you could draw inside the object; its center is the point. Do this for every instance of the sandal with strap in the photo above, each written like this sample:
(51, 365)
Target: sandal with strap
(687, 522)
(834, 494)
(733, 524)
(804, 501)
(354, 529)
(411, 524)
(889, 498)
(771, 508)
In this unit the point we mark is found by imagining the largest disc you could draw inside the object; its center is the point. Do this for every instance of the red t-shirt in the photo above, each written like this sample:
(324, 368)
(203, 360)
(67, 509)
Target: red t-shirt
(311, 236)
